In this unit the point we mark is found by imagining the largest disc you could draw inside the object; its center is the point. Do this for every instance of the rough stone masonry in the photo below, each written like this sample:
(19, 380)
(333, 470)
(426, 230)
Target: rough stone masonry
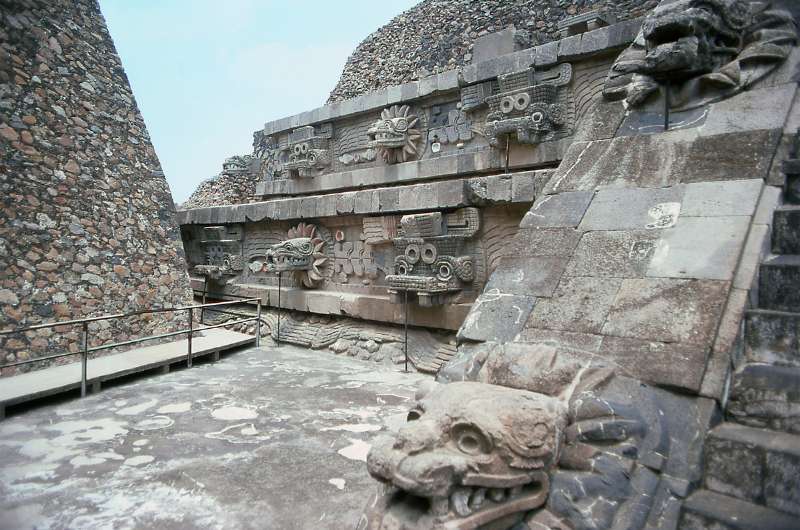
(87, 223)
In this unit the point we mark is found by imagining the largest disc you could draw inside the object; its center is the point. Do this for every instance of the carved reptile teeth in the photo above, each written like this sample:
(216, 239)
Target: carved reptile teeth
(466, 500)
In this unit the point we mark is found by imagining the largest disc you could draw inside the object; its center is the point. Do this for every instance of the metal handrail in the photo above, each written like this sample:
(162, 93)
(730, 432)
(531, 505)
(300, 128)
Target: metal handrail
(84, 353)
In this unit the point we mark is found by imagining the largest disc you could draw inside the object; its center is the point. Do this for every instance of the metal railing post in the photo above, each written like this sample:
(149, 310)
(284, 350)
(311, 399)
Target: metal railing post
(84, 358)
(278, 334)
(258, 324)
(205, 289)
(189, 354)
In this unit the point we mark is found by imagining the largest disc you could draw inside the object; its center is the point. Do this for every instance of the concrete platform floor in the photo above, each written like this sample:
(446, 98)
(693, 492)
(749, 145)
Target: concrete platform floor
(268, 439)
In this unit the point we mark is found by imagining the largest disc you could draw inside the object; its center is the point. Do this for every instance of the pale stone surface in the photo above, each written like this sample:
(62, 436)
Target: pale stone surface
(719, 199)
(705, 248)
(553, 211)
(633, 209)
(205, 468)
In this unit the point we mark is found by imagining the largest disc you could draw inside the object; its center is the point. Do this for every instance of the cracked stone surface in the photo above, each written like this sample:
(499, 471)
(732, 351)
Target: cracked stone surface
(264, 438)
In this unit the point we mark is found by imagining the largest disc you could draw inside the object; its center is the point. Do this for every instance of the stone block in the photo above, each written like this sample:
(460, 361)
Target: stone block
(448, 80)
(601, 121)
(764, 108)
(428, 85)
(767, 397)
(633, 209)
(706, 510)
(718, 199)
(614, 254)
(388, 199)
(523, 187)
(668, 310)
(498, 188)
(727, 346)
(786, 229)
(578, 304)
(555, 211)
(569, 48)
(493, 45)
(706, 248)
(308, 207)
(532, 276)
(670, 364)
(345, 202)
(363, 202)
(595, 41)
(777, 283)
(451, 193)
(496, 317)
(770, 200)
(647, 161)
(773, 337)
(547, 54)
(732, 156)
(555, 242)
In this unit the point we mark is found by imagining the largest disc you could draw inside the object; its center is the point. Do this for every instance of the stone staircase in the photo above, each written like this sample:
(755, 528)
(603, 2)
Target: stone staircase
(752, 460)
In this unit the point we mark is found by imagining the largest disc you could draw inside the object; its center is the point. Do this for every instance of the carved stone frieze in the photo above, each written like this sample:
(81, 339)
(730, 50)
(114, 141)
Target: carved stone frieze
(221, 252)
(434, 257)
(396, 135)
(302, 253)
(531, 105)
(563, 443)
(706, 50)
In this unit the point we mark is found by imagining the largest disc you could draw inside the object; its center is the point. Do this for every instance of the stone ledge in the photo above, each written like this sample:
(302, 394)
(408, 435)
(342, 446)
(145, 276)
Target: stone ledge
(578, 47)
(496, 189)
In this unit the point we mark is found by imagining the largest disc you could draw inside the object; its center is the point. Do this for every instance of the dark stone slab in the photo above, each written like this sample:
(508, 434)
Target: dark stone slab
(671, 364)
(772, 337)
(705, 509)
(668, 310)
(766, 396)
(786, 230)
(778, 283)
(558, 242)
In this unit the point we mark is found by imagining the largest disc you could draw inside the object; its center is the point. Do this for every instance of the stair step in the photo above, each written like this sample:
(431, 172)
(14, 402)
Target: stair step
(705, 510)
(766, 396)
(772, 337)
(757, 465)
(778, 282)
(786, 230)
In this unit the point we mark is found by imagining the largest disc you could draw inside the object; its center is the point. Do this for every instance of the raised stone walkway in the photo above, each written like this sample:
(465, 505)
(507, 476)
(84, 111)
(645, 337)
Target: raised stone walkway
(58, 379)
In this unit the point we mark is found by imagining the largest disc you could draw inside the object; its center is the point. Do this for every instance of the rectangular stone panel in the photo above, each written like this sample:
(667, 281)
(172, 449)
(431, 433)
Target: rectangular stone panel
(614, 254)
(558, 242)
(578, 304)
(634, 209)
(716, 199)
(678, 365)
(668, 310)
(705, 248)
(533, 276)
(562, 210)
(496, 317)
(585, 342)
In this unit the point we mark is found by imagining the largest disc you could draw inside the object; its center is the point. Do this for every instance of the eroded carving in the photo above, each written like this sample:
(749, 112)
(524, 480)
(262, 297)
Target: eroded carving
(222, 252)
(308, 152)
(302, 254)
(565, 443)
(433, 256)
(533, 106)
(706, 50)
(396, 135)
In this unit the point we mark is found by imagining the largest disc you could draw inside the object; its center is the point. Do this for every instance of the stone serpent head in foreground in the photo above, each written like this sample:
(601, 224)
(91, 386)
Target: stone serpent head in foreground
(584, 451)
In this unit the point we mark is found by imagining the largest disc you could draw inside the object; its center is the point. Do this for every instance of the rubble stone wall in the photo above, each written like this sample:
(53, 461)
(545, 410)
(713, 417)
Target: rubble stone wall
(87, 222)
(436, 36)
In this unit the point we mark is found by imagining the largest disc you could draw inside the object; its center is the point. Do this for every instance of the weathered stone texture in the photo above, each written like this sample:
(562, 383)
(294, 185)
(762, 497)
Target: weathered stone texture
(87, 223)
(442, 37)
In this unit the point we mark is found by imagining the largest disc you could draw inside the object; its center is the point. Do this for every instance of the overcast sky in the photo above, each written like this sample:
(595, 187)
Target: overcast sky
(207, 73)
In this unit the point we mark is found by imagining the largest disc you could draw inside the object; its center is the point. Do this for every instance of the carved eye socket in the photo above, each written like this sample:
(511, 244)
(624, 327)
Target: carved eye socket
(304, 148)
(413, 415)
(470, 440)
(297, 149)
(312, 158)
(445, 272)
(401, 125)
(537, 117)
